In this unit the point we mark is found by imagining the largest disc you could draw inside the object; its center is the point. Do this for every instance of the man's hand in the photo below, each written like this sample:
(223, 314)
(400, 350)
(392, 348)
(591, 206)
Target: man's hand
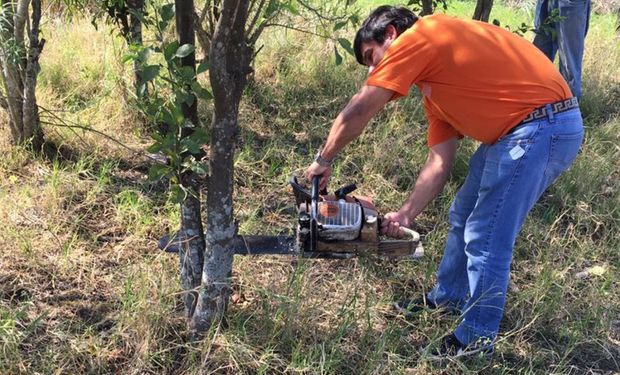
(316, 170)
(392, 224)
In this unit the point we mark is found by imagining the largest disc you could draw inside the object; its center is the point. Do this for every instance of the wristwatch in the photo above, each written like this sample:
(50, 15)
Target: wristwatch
(321, 161)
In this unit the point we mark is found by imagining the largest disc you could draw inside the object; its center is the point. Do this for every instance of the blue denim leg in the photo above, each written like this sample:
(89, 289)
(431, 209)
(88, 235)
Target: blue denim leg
(544, 39)
(570, 33)
(516, 171)
(452, 286)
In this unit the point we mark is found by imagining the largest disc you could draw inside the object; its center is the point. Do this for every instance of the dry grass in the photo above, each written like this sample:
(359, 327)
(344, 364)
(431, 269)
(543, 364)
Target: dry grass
(83, 289)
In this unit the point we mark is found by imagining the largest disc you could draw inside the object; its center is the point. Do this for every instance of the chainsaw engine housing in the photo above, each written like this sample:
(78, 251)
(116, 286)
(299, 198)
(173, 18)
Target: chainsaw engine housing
(339, 220)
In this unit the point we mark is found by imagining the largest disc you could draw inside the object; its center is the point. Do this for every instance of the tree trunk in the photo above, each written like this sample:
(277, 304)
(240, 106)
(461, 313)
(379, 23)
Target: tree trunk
(618, 21)
(191, 235)
(229, 65)
(483, 10)
(427, 7)
(32, 125)
(136, 7)
(19, 72)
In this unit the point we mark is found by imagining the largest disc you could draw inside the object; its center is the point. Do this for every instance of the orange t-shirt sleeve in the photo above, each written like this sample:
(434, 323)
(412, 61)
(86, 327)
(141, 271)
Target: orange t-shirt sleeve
(439, 130)
(405, 62)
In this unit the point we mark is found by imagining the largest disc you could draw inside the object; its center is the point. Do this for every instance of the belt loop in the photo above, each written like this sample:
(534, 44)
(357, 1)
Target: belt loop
(550, 115)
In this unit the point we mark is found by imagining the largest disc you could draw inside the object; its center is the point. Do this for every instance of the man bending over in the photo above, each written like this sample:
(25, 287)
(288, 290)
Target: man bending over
(483, 82)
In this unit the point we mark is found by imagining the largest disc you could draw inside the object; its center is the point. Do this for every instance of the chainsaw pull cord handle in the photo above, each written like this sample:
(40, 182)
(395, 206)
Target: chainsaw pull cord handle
(415, 236)
(412, 234)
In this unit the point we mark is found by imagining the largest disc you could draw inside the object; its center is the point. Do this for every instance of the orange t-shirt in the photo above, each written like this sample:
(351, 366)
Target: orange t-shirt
(478, 80)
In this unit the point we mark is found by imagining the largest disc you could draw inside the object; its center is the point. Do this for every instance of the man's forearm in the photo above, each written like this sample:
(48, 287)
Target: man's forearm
(353, 118)
(348, 125)
(429, 184)
(432, 178)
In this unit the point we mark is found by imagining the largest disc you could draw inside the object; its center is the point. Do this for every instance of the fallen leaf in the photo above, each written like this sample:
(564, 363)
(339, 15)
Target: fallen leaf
(597, 270)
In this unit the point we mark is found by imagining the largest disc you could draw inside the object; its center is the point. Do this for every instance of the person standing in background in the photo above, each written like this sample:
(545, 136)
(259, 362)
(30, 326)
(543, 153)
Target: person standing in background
(565, 35)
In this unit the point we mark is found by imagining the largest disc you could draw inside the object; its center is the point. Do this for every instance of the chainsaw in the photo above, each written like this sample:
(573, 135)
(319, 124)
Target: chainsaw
(337, 226)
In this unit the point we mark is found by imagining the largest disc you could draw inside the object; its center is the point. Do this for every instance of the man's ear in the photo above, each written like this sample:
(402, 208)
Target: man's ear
(390, 32)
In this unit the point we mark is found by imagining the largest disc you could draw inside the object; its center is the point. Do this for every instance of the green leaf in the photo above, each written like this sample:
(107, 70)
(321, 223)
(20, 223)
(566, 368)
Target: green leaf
(291, 7)
(185, 50)
(177, 194)
(200, 136)
(170, 50)
(159, 171)
(143, 54)
(339, 25)
(173, 116)
(190, 145)
(200, 168)
(155, 148)
(167, 12)
(272, 7)
(187, 73)
(142, 90)
(203, 67)
(185, 97)
(149, 72)
(346, 45)
(338, 57)
(128, 57)
(201, 92)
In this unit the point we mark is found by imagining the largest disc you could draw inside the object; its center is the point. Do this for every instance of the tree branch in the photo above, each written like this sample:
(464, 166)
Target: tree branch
(298, 30)
(252, 23)
(259, 30)
(71, 125)
(19, 21)
(318, 13)
(203, 37)
(204, 11)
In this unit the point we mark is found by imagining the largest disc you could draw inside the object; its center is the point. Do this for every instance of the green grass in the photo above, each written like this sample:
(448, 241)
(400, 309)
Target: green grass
(83, 289)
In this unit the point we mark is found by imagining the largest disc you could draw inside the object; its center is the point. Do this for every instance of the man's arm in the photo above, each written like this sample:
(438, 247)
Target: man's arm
(349, 125)
(429, 184)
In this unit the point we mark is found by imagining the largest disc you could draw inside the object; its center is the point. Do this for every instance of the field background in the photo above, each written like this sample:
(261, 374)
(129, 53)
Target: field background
(84, 290)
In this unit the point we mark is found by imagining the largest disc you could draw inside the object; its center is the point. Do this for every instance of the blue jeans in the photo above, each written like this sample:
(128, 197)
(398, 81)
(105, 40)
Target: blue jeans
(570, 33)
(505, 179)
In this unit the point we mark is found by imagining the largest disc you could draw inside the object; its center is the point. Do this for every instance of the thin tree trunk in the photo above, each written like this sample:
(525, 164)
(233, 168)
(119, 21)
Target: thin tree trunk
(191, 233)
(10, 73)
(136, 7)
(14, 91)
(19, 73)
(618, 21)
(191, 236)
(483, 10)
(32, 126)
(229, 65)
(427, 7)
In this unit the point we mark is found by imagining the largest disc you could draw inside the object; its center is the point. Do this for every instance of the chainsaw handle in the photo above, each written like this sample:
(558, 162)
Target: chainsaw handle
(412, 234)
(415, 236)
(315, 188)
(343, 191)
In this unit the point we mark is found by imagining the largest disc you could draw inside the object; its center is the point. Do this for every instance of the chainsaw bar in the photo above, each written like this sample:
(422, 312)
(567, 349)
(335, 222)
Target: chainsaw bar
(286, 245)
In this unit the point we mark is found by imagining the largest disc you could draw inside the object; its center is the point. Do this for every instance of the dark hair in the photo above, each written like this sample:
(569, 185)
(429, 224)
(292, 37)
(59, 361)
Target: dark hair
(374, 27)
